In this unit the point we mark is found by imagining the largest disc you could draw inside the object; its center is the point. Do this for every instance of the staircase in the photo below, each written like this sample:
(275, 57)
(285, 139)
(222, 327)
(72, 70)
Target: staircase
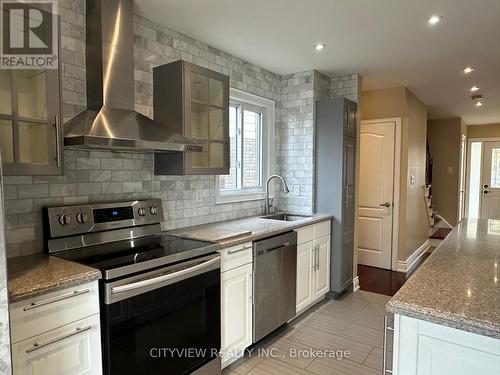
(439, 228)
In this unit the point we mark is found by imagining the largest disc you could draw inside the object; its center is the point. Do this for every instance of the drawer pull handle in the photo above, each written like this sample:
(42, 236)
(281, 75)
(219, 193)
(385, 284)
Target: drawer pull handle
(39, 345)
(230, 252)
(384, 350)
(55, 299)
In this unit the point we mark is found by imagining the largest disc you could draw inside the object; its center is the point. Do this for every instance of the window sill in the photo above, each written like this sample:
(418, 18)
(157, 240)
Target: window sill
(222, 198)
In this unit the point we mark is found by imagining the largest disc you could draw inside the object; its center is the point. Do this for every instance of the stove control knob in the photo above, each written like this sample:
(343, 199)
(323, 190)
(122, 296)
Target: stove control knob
(64, 219)
(153, 210)
(82, 217)
(141, 211)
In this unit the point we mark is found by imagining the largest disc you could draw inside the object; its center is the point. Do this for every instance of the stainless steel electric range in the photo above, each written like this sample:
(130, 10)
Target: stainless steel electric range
(160, 295)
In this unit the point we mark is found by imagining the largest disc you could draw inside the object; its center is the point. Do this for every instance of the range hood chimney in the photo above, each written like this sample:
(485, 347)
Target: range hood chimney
(110, 121)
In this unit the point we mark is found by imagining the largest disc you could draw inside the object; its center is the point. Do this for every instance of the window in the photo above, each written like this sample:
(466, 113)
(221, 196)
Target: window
(474, 179)
(495, 167)
(251, 133)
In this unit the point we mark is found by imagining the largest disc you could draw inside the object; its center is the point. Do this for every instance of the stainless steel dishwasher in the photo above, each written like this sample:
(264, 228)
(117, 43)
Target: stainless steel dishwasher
(274, 285)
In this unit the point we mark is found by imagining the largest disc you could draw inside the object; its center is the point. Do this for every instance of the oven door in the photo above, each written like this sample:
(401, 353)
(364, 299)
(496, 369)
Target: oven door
(165, 321)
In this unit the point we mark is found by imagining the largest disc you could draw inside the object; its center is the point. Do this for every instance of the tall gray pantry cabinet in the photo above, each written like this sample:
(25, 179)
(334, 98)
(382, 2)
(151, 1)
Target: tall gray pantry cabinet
(335, 165)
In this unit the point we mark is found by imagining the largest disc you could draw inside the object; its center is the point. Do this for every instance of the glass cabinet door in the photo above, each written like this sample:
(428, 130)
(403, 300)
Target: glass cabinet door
(29, 122)
(208, 121)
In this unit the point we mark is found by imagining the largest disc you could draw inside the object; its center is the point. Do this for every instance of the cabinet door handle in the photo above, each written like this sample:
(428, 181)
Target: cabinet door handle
(34, 305)
(317, 257)
(250, 276)
(384, 352)
(42, 344)
(58, 141)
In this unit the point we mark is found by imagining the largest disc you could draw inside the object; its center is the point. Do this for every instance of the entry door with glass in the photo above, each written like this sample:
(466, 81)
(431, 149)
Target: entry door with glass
(490, 189)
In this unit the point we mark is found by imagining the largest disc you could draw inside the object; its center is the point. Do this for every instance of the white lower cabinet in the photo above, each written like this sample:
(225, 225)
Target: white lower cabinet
(304, 288)
(313, 264)
(426, 348)
(321, 283)
(236, 307)
(57, 333)
(69, 350)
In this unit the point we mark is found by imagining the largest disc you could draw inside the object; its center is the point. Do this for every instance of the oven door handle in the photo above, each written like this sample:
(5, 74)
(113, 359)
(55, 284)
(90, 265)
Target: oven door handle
(163, 278)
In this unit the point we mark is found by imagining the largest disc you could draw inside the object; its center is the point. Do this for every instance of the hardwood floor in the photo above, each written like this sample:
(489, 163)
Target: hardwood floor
(382, 281)
(337, 337)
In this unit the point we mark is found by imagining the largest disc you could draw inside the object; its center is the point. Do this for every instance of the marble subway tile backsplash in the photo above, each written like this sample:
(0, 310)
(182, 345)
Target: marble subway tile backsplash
(187, 200)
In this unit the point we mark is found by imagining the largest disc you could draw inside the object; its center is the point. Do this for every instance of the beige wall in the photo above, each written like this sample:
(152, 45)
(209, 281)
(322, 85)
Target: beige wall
(401, 102)
(483, 131)
(444, 143)
(417, 229)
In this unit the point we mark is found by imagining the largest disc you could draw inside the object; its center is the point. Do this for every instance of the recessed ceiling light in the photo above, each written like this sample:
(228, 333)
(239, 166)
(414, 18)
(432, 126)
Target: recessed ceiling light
(477, 99)
(474, 89)
(468, 69)
(319, 46)
(434, 19)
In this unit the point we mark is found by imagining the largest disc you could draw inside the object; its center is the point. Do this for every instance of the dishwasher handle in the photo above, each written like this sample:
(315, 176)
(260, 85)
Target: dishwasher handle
(274, 243)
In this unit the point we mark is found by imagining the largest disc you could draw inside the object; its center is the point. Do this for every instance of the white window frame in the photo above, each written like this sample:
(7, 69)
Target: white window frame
(267, 145)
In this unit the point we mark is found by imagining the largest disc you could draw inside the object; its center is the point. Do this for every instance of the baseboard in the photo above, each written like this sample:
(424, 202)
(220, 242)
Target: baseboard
(408, 264)
(355, 284)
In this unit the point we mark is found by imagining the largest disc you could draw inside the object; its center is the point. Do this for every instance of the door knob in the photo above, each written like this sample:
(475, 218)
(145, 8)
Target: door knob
(486, 192)
(386, 204)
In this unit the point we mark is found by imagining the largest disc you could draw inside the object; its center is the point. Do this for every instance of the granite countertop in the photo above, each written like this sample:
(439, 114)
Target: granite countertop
(459, 284)
(234, 232)
(34, 275)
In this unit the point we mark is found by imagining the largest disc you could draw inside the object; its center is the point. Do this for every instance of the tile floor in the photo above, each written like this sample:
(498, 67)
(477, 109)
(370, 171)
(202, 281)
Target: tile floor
(353, 323)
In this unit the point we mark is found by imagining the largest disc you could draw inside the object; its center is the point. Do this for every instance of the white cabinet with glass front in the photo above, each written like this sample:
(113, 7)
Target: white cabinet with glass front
(30, 122)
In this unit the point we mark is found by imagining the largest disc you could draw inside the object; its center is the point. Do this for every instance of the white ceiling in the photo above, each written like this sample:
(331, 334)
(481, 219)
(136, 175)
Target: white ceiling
(387, 41)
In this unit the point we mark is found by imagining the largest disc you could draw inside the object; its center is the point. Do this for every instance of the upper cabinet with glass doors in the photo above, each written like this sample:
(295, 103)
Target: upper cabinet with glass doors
(29, 122)
(194, 101)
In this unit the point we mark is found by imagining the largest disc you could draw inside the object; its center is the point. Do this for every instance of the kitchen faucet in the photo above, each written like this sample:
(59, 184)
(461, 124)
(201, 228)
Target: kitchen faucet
(268, 204)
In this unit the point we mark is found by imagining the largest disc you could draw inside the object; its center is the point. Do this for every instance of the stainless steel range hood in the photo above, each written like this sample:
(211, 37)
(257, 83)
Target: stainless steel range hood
(110, 121)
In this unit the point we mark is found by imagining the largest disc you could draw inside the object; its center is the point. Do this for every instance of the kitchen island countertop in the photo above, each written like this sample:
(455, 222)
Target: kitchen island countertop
(459, 284)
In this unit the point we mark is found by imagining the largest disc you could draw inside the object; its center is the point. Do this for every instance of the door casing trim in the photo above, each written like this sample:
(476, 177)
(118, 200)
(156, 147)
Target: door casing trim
(468, 167)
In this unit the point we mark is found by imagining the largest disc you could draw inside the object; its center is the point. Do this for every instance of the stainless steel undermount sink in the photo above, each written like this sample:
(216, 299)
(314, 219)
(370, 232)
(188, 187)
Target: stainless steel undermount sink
(286, 217)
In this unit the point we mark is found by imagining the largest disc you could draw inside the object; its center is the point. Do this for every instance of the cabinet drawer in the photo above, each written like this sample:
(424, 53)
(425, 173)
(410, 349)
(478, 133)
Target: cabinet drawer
(322, 229)
(70, 350)
(43, 313)
(236, 256)
(305, 234)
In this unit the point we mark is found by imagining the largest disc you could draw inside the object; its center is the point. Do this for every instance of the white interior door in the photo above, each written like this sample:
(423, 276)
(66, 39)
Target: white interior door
(490, 189)
(376, 193)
